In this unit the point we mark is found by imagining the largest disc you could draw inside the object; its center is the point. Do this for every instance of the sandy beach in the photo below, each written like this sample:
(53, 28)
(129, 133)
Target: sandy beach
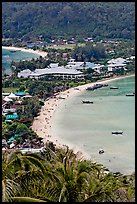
(44, 123)
(38, 52)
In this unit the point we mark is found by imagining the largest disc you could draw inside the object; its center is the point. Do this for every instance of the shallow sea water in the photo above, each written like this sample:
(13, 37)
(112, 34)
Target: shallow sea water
(88, 127)
(8, 56)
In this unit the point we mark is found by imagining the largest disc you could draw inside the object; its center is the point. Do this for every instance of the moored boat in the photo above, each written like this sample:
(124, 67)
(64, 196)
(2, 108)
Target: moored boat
(113, 87)
(101, 151)
(117, 132)
(131, 94)
(13, 50)
(87, 101)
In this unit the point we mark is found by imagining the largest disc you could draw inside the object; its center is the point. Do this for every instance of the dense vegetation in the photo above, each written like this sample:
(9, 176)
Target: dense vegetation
(68, 19)
(89, 53)
(59, 175)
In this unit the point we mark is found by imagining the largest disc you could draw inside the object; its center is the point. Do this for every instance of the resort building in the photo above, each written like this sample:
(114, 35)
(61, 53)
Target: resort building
(73, 70)
(130, 60)
(60, 72)
(98, 68)
(118, 63)
(118, 60)
(113, 67)
(84, 65)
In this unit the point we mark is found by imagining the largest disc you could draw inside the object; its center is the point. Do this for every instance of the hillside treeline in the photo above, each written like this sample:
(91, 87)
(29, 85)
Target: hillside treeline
(68, 19)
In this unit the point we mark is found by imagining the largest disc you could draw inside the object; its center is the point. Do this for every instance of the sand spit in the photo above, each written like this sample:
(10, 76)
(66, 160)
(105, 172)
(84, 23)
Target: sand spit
(38, 52)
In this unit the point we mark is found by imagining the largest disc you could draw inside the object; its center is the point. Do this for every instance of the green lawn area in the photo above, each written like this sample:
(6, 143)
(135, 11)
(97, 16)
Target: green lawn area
(67, 46)
(9, 89)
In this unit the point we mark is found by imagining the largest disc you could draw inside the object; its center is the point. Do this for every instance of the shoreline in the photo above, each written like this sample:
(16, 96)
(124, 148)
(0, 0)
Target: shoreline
(38, 52)
(43, 124)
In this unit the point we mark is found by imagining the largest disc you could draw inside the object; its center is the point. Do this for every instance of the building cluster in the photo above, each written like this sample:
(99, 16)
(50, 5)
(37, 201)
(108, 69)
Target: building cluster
(10, 103)
(74, 70)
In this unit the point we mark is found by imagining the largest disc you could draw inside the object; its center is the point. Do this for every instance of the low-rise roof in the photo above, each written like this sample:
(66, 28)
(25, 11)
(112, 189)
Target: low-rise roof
(75, 63)
(11, 139)
(5, 94)
(7, 99)
(117, 65)
(14, 116)
(59, 70)
(52, 65)
(6, 110)
(25, 73)
(90, 65)
(12, 95)
(117, 60)
(46, 71)
(20, 93)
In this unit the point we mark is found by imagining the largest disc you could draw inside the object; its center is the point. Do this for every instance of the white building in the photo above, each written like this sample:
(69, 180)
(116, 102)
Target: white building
(113, 67)
(25, 73)
(115, 64)
(119, 60)
(81, 65)
(52, 72)
(98, 68)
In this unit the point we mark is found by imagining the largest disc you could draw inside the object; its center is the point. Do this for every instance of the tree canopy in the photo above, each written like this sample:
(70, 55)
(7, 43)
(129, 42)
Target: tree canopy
(59, 175)
(52, 19)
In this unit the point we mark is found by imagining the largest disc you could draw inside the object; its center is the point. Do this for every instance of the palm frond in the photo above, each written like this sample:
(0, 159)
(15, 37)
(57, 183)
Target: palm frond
(9, 188)
(62, 192)
(26, 199)
(35, 161)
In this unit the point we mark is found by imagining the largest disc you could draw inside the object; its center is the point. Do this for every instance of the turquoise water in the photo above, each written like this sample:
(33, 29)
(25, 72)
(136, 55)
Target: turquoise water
(8, 56)
(88, 127)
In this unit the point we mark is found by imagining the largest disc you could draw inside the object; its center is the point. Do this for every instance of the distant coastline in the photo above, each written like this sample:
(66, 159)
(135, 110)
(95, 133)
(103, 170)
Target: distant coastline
(38, 52)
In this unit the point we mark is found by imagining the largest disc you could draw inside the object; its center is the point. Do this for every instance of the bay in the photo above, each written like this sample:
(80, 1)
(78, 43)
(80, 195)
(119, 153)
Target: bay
(88, 127)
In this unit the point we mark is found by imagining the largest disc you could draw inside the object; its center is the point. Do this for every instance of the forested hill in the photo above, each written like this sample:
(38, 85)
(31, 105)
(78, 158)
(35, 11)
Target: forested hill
(104, 19)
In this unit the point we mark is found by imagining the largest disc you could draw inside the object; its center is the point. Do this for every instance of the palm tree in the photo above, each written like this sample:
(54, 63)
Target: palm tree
(16, 169)
(61, 176)
(69, 176)
(101, 189)
(76, 180)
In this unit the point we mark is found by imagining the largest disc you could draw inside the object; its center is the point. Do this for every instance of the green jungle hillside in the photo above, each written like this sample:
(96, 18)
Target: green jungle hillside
(104, 19)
